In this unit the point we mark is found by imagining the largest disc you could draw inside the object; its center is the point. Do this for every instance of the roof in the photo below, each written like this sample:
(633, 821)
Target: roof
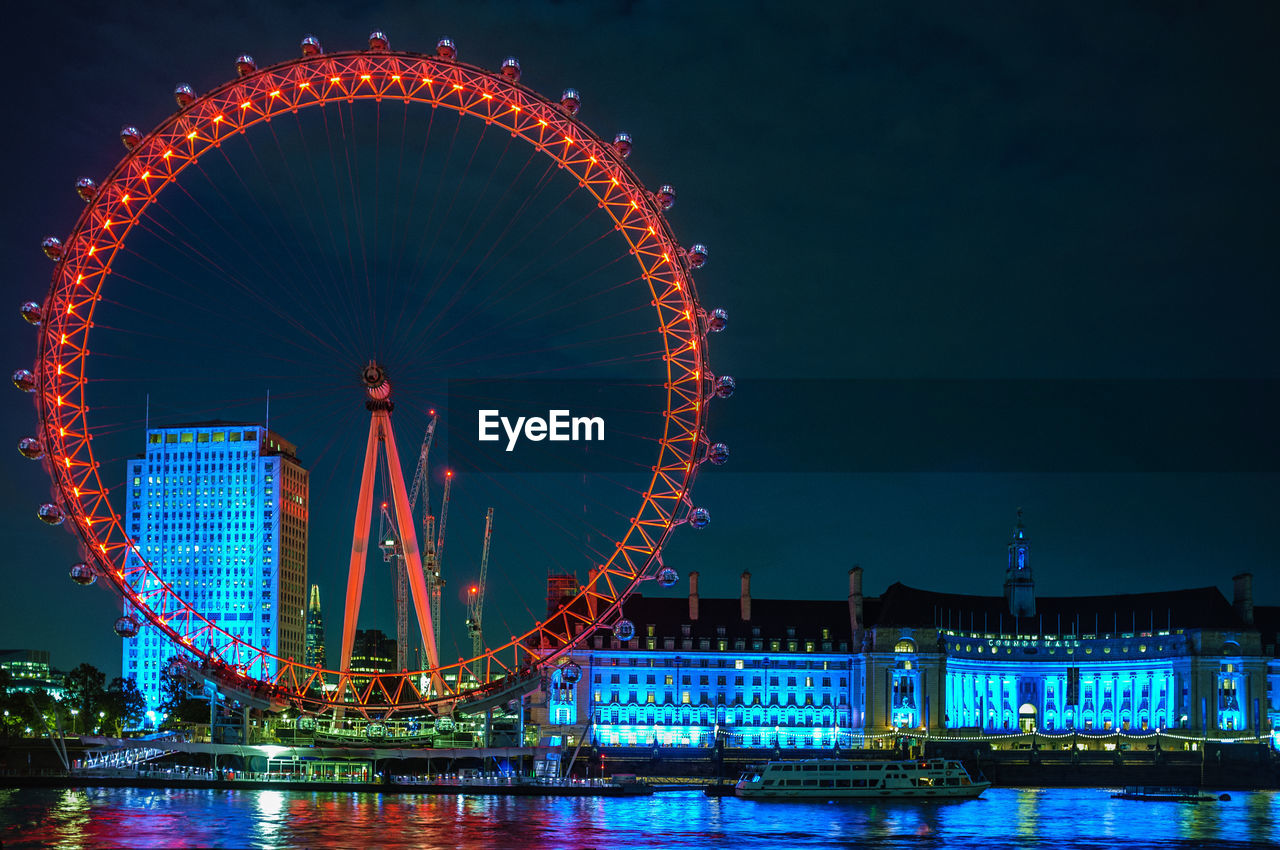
(1199, 607)
(773, 618)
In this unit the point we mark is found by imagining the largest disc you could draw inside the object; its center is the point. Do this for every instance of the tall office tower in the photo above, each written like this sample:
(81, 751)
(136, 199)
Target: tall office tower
(315, 629)
(220, 509)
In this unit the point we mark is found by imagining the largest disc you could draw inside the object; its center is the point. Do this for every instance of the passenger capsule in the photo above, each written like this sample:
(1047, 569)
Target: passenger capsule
(667, 577)
(725, 386)
(378, 41)
(511, 68)
(445, 49)
(311, 45)
(30, 448)
(51, 514)
(624, 630)
(717, 320)
(31, 312)
(52, 247)
(570, 101)
(622, 144)
(665, 196)
(699, 518)
(126, 627)
(698, 256)
(82, 574)
(86, 189)
(130, 137)
(571, 674)
(184, 95)
(24, 380)
(245, 65)
(718, 454)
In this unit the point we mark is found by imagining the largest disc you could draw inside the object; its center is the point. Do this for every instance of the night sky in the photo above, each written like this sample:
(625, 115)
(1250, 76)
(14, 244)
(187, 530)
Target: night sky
(889, 191)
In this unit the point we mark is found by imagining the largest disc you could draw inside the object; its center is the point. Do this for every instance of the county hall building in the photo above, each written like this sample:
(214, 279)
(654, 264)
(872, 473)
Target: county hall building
(862, 670)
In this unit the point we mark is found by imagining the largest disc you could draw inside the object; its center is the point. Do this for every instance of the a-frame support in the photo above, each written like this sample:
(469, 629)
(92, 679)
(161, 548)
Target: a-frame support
(382, 435)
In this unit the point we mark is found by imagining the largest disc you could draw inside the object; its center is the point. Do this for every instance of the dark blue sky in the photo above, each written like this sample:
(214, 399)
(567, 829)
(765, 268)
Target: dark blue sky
(888, 191)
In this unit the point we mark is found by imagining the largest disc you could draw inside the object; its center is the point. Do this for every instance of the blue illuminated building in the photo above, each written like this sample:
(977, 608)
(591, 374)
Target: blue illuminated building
(220, 511)
(1187, 664)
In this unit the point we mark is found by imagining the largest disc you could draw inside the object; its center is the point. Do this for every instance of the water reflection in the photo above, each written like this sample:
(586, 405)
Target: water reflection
(1058, 818)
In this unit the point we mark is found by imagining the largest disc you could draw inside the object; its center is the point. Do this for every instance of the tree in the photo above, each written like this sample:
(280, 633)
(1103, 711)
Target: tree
(124, 704)
(177, 702)
(85, 692)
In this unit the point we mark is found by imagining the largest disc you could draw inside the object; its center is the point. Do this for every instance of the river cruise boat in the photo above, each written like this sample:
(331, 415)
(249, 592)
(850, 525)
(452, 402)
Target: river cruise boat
(830, 779)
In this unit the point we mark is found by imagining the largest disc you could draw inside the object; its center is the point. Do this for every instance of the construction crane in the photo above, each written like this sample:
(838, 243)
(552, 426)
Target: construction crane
(433, 554)
(475, 599)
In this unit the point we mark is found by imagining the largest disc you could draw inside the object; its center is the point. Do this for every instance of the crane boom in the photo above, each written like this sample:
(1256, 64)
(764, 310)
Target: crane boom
(475, 601)
(444, 517)
(420, 474)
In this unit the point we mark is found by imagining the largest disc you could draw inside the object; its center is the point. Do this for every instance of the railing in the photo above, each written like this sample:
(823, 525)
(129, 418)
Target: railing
(125, 756)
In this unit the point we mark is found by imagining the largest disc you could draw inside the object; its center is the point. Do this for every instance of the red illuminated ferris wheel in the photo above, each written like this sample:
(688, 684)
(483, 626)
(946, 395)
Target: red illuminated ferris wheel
(163, 163)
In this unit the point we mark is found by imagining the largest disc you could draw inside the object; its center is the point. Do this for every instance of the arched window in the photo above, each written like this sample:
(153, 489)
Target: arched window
(905, 645)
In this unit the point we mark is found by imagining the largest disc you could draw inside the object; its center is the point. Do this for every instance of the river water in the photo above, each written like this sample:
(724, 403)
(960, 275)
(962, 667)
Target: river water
(1003, 817)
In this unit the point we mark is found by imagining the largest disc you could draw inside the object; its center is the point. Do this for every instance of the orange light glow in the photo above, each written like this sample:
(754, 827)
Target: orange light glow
(304, 85)
(474, 589)
(364, 77)
(457, 86)
(448, 473)
(218, 119)
(146, 175)
(335, 79)
(395, 77)
(275, 93)
(245, 104)
(191, 135)
(168, 154)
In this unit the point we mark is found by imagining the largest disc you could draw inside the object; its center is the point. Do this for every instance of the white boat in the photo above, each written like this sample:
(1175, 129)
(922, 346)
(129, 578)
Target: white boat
(829, 779)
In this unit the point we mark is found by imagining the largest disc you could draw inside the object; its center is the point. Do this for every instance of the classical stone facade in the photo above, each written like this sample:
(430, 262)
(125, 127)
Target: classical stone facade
(792, 673)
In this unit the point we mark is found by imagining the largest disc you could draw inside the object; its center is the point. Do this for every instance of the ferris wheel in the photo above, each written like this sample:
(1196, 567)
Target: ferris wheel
(128, 207)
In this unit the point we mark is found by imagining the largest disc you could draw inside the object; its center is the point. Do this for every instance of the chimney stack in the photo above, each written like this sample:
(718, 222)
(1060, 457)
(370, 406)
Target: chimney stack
(855, 600)
(1242, 600)
(693, 595)
(745, 597)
